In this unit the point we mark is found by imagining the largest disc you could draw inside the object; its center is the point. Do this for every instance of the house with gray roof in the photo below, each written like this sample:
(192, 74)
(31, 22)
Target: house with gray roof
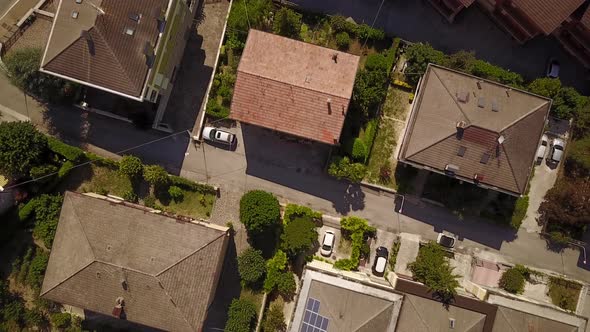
(123, 260)
(475, 130)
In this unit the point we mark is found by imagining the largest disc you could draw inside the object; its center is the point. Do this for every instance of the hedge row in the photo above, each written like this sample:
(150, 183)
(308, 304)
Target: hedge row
(192, 186)
(69, 152)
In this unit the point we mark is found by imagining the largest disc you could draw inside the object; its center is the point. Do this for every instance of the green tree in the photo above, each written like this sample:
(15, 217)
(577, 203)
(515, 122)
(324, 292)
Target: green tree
(578, 159)
(513, 281)
(581, 126)
(369, 90)
(274, 319)
(462, 60)
(259, 212)
(568, 103)
(23, 70)
(342, 168)
(46, 214)
(131, 167)
(61, 320)
(34, 318)
(419, 56)
(287, 23)
(298, 236)
(21, 148)
(491, 72)
(42, 172)
(275, 267)
(376, 62)
(286, 284)
(37, 269)
(155, 175)
(241, 316)
(567, 203)
(13, 311)
(176, 193)
(342, 40)
(251, 266)
(433, 269)
(547, 87)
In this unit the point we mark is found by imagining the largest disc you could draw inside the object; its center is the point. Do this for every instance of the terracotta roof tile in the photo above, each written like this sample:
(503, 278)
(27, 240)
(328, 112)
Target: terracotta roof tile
(432, 138)
(293, 87)
(585, 20)
(548, 14)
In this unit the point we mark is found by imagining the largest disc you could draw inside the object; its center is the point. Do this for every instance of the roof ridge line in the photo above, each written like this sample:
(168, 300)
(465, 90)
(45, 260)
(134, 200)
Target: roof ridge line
(82, 227)
(507, 320)
(68, 278)
(512, 169)
(112, 52)
(390, 304)
(450, 94)
(188, 256)
(522, 117)
(433, 144)
(296, 85)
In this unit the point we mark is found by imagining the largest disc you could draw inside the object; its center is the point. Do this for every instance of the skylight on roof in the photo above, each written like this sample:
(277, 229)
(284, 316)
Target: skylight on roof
(134, 17)
(78, 1)
(129, 31)
(75, 14)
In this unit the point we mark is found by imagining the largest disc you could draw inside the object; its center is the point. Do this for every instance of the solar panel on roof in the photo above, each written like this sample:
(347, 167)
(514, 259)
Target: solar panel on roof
(312, 320)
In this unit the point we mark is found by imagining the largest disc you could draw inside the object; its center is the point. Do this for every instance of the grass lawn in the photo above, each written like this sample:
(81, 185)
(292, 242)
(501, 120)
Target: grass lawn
(98, 179)
(395, 108)
(564, 293)
(253, 296)
(194, 204)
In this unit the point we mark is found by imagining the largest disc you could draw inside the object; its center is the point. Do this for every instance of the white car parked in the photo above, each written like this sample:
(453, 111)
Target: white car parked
(556, 153)
(327, 243)
(217, 135)
(542, 148)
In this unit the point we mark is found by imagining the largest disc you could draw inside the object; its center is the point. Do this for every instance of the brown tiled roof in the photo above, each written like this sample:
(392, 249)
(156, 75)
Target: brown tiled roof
(585, 20)
(432, 140)
(548, 14)
(293, 87)
(170, 268)
(466, 3)
(112, 59)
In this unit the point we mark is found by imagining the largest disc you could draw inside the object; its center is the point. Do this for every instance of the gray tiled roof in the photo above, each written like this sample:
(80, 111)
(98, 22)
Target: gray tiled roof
(165, 270)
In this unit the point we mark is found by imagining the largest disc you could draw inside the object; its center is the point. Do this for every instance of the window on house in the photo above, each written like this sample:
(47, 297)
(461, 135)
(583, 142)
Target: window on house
(461, 151)
(485, 158)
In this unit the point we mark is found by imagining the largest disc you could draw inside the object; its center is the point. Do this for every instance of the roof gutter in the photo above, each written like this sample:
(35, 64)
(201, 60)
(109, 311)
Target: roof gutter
(140, 99)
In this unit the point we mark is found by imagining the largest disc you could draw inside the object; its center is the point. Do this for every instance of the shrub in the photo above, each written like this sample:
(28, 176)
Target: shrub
(246, 14)
(402, 84)
(286, 284)
(274, 319)
(191, 185)
(393, 255)
(131, 167)
(343, 40)
(567, 103)
(13, 311)
(293, 211)
(376, 62)
(61, 320)
(241, 316)
(275, 267)
(579, 156)
(21, 148)
(462, 60)
(130, 196)
(37, 269)
(150, 201)
(513, 281)
(259, 212)
(216, 110)
(339, 24)
(27, 210)
(359, 150)
(433, 269)
(370, 133)
(357, 230)
(547, 87)
(66, 151)
(487, 70)
(419, 56)
(364, 31)
(46, 214)
(559, 238)
(369, 90)
(519, 213)
(155, 175)
(42, 172)
(251, 266)
(176, 193)
(342, 168)
(298, 236)
(287, 23)
(385, 173)
(34, 318)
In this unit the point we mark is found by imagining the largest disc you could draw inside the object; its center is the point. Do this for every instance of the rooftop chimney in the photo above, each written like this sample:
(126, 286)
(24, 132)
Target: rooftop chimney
(479, 84)
(335, 57)
(329, 105)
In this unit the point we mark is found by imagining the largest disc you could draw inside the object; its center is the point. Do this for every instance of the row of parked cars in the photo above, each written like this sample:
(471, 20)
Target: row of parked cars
(556, 149)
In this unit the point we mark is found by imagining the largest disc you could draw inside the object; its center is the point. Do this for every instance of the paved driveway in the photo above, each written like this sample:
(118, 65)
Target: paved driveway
(417, 21)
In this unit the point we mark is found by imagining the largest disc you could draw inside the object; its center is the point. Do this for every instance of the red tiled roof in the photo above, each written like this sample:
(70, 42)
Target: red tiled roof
(548, 14)
(466, 3)
(585, 20)
(293, 87)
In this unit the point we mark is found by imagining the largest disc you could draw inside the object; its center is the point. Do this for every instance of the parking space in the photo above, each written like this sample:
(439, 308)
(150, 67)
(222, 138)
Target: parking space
(337, 252)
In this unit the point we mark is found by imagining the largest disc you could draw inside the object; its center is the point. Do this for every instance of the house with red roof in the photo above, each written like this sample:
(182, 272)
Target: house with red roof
(293, 87)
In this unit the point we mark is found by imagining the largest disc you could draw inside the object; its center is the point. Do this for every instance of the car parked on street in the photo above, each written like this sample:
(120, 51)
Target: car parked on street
(217, 135)
(446, 241)
(552, 68)
(327, 243)
(542, 149)
(556, 152)
(380, 262)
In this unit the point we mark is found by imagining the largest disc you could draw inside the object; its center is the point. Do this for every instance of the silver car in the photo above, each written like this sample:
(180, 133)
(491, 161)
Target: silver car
(556, 153)
(217, 135)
